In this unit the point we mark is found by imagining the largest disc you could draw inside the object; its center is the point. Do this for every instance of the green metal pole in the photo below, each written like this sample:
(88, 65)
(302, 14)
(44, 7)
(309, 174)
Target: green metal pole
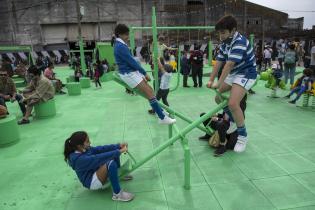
(207, 130)
(251, 39)
(186, 130)
(170, 128)
(132, 40)
(186, 160)
(155, 51)
(210, 47)
(82, 57)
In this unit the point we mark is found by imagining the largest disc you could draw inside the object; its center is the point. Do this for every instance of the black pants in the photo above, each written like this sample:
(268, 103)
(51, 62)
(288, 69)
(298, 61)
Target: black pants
(18, 98)
(185, 78)
(222, 126)
(280, 60)
(267, 61)
(197, 72)
(97, 81)
(163, 94)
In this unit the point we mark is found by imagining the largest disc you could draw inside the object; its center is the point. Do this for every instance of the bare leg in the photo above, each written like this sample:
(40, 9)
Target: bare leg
(237, 94)
(101, 174)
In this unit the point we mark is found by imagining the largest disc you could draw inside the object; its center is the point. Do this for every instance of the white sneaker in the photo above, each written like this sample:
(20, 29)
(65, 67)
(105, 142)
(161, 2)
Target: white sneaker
(232, 128)
(167, 120)
(166, 113)
(240, 145)
(123, 196)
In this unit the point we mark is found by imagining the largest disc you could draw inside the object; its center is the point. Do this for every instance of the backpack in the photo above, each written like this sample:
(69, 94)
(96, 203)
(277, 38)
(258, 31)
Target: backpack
(290, 57)
(214, 140)
(101, 70)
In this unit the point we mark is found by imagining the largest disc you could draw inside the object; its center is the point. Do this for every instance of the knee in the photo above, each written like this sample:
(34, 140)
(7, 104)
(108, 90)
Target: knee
(112, 165)
(233, 106)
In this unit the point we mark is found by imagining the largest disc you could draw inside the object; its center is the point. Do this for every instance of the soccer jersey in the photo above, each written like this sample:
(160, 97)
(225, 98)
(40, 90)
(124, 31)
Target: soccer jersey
(241, 52)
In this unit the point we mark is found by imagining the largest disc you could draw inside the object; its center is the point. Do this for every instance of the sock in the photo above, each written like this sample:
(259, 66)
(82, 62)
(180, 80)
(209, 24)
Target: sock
(228, 112)
(242, 131)
(113, 176)
(156, 107)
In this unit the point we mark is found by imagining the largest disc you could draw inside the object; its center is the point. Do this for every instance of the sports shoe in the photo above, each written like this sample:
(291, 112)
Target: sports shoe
(232, 128)
(292, 102)
(167, 120)
(166, 113)
(240, 145)
(151, 112)
(123, 196)
(219, 151)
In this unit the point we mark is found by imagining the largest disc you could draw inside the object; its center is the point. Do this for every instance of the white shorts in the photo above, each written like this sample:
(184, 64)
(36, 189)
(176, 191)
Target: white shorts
(240, 80)
(132, 79)
(96, 184)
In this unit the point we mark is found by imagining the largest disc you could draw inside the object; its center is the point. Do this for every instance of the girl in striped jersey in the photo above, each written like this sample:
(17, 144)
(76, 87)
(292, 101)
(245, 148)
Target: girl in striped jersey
(238, 74)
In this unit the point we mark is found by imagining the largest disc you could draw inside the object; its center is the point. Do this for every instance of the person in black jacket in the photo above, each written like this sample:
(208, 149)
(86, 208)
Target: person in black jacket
(220, 123)
(185, 68)
(196, 59)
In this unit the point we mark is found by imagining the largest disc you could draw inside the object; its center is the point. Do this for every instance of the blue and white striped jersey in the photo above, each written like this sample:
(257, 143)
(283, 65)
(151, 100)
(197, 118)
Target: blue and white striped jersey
(240, 52)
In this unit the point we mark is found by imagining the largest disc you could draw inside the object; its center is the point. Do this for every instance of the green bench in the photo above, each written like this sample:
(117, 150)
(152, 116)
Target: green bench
(9, 131)
(45, 109)
(74, 88)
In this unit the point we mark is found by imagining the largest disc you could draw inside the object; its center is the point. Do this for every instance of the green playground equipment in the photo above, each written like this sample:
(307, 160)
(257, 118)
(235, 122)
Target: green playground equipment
(105, 51)
(154, 29)
(26, 48)
(179, 135)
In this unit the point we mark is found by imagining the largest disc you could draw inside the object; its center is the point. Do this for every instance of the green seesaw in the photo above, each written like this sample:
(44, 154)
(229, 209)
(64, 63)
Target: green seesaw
(132, 164)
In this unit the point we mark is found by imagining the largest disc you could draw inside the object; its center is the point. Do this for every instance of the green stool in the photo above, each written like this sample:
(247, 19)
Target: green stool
(70, 79)
(45, 109)
(9, 131)
(74, 88)
(85, 82)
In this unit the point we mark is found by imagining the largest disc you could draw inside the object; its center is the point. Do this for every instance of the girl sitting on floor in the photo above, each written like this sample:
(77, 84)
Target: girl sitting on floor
(93, 165)
(304, 84)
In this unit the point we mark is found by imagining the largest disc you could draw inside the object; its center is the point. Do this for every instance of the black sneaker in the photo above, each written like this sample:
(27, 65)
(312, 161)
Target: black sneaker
(186, 86)
(151, 112)
(219, 151)
(205, 137)
(288, 96)
(23, 121)
(292, 102)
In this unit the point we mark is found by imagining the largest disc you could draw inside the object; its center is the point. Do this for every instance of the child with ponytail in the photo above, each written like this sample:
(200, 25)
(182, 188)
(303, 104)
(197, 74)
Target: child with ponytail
(94, 165)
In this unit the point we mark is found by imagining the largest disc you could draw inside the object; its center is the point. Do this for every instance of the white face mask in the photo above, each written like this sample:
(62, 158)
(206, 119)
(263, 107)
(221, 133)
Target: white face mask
(188, 56)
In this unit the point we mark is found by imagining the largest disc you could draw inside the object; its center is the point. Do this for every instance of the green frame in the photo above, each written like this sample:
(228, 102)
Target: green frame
(154, 29)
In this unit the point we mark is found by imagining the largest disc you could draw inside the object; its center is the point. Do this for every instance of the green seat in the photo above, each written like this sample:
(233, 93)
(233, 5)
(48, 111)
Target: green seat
(74, 88)
(85, 82)
(9, 131)
(70, 79)
(45, 109)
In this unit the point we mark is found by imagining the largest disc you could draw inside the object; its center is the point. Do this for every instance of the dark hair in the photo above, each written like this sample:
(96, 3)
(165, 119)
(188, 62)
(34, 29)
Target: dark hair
(308, 72)
(227, 22)
(71, 144)
(121, 29)
(34, 70)
(292, 46)
(51, 65)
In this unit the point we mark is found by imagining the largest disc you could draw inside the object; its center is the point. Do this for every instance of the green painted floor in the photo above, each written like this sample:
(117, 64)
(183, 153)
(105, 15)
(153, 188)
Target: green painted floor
(277, 171)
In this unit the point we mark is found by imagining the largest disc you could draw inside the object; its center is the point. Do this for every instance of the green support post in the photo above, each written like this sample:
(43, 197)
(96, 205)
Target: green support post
(170, 128)
(155, 51)
(210, 47)
(132, 40)
(82, 57)
(251, 39)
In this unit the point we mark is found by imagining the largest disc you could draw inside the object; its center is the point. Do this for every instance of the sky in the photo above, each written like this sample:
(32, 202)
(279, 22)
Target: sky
(295, 9)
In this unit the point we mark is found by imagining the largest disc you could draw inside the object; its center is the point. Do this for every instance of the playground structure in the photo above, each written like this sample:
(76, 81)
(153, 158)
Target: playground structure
(180, 135)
